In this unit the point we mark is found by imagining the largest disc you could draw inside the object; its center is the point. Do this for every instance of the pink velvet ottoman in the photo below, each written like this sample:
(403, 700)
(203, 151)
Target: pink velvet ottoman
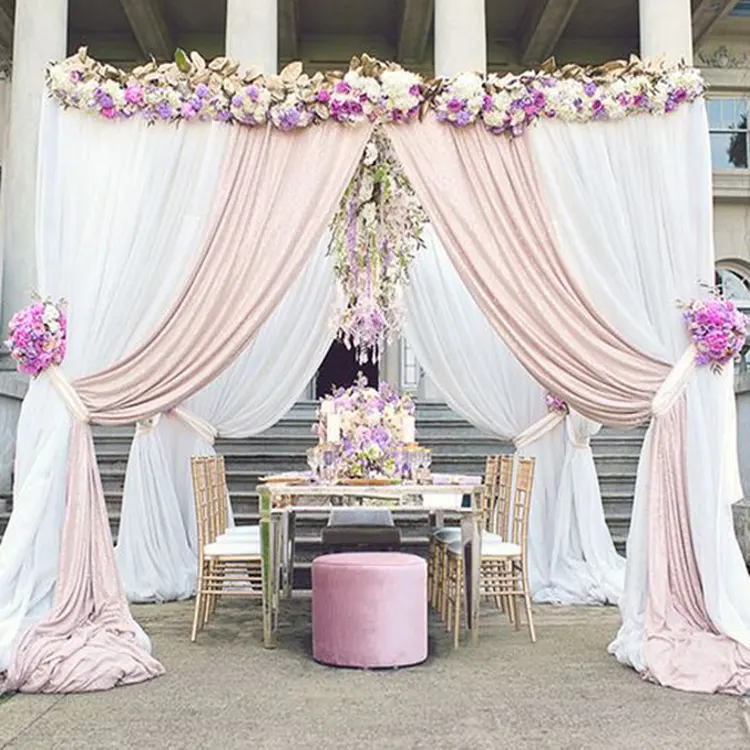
(369, 609)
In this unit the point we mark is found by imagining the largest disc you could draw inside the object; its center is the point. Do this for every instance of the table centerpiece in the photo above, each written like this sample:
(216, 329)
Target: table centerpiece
(367, 436)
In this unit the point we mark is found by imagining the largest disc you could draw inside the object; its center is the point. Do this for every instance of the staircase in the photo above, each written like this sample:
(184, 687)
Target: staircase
(456, 446)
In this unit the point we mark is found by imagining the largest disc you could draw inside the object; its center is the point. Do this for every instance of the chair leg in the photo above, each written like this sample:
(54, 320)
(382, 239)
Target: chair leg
(457, 610)
(198, 614)
(527, 602)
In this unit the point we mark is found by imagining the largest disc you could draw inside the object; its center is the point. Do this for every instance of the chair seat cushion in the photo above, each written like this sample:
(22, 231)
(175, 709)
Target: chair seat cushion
(367, 535)
(452, 533)
(252, 531)
(229, 548)
(490, 548)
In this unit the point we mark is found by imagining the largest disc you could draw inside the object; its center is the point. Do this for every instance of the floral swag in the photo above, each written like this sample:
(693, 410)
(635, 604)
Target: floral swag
(192, 89)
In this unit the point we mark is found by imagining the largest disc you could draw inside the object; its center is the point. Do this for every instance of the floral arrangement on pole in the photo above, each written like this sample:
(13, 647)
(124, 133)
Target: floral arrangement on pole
(373, 423)
(375, 234)
(717, 329)
(38, 336)
(189, 88)
(555, 403)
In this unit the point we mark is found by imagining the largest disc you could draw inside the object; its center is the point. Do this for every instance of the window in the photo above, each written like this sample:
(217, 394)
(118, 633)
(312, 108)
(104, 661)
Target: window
(733, 282)
(410, 369)
(727, 122)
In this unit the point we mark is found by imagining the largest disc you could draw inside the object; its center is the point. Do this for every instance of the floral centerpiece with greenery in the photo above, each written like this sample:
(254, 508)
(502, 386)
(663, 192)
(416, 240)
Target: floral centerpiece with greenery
(372, 428)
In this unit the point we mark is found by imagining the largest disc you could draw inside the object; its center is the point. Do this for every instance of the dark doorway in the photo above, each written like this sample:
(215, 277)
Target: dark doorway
(340, 368)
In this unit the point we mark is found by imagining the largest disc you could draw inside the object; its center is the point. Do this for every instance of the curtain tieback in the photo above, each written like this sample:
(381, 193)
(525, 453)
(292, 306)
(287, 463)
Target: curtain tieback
(68, 393)
(576, 440)
(205, 430)
(674, 384)
(147, 426)
(538, 430)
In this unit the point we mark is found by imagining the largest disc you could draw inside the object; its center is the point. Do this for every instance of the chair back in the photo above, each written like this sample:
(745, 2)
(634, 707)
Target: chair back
(504, 494)
(519, 524)
(209, 488)
(489, 492)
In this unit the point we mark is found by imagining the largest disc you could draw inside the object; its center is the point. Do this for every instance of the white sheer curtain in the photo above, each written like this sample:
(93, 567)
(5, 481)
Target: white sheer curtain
(619, 188)
(157, 545)
(572, 558)
(119, 268)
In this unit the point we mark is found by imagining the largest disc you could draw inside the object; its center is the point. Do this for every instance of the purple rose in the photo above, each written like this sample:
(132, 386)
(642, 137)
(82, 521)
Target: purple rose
(414, 89)
(133, 94)
(324, 96)
(589, 88)
(455, 105)
(201, 91)
(252, 92)
(342, 87)
(236, 100)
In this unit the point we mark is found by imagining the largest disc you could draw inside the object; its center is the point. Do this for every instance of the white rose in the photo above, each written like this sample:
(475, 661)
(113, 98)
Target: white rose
(368, 214)
(371, 154)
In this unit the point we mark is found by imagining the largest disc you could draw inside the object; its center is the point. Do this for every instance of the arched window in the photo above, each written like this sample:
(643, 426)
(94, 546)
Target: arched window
(733, 282)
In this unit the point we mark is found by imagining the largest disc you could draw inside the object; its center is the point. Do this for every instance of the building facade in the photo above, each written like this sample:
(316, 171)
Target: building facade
(434, 37)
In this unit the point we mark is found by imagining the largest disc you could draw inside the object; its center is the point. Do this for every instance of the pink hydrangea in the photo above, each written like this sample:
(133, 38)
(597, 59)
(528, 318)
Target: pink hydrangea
(717, 328)
(38, 336)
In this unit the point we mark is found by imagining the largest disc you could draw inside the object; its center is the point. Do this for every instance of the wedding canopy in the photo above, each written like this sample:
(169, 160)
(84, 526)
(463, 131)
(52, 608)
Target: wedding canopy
(572, 238)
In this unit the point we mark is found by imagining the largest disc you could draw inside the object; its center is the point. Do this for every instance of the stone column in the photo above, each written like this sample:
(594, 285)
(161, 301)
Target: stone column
(39, 36)
(460, 37)
(252, 33)
(666, 29)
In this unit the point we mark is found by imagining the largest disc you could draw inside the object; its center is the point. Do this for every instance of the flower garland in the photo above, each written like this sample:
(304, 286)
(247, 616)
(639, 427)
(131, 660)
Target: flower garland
(38, 336)
(375, 234)
(555, 403)
(372, 425)
(192, 89)
(717, 328)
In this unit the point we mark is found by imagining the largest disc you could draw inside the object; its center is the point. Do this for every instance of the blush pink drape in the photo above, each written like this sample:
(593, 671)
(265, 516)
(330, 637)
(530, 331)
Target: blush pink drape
(277, 194)
(484, 200)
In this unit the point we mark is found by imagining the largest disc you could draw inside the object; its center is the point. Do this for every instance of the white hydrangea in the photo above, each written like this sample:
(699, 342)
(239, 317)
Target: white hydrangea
(468, 86)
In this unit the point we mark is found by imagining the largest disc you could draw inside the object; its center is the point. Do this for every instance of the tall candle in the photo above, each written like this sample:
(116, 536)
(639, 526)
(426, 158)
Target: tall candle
(409, 429)
(327, 407)
(333, 428)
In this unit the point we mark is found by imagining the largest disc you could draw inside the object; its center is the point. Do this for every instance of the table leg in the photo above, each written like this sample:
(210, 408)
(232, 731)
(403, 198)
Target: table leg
(290, 530)
(471, 539)
(268, 561)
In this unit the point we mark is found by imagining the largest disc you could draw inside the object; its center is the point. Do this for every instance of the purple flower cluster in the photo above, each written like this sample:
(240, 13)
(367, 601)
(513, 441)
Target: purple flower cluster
(37, 337)
(555, 403)
(717, 328)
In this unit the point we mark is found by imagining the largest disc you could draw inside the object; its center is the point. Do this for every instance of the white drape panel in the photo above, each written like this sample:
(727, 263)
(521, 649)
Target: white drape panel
(119, 267)
(482, 381)
(634, 222)
(157, 546)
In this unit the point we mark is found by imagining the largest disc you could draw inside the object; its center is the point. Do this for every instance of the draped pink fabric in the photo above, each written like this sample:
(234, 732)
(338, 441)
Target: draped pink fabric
(483, 198)
(278, 192)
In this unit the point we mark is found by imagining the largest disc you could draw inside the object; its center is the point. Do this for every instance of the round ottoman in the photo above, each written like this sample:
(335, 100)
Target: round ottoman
(369, 609)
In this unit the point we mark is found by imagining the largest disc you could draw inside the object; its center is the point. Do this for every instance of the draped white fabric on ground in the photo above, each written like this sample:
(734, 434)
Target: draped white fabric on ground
(95, 259)
(627, 203)
(157, 544)
(572, 557)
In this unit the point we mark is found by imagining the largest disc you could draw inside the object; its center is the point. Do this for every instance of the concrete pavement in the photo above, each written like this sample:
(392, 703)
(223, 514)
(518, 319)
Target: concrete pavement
(227, 692)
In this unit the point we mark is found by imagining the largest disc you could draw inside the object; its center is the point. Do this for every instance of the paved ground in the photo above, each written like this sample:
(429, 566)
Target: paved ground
(226, 692)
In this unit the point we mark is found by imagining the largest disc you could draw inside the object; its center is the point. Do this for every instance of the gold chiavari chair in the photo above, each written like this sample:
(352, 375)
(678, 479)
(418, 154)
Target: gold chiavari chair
(504, 568)
(228, 565)
(440, 539)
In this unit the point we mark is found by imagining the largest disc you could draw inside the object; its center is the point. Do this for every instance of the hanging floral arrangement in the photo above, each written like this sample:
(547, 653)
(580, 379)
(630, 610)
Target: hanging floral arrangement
(717, 328)
(38, 336)
(375, 234)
